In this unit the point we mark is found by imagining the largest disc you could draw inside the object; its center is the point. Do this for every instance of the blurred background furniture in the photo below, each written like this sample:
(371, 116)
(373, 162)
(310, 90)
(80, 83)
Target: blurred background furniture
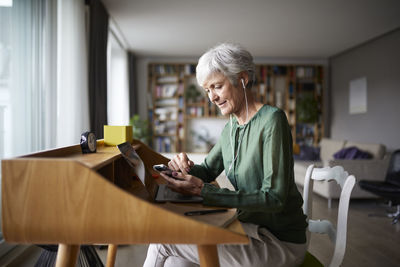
(365, 169)
(336, 235)
(390, 187)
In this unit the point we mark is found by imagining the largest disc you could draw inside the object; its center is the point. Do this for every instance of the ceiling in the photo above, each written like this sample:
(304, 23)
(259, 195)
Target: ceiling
(267, 28)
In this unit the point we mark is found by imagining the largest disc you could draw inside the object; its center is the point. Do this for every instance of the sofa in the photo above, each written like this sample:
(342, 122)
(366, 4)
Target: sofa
(363, 169)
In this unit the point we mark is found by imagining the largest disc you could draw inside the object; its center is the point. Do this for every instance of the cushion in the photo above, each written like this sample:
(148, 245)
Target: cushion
(329, 147)
(352, 153)
(376, 150)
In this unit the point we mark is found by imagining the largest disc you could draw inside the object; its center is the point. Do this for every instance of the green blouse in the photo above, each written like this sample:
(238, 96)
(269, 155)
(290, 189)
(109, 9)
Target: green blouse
(262, 174)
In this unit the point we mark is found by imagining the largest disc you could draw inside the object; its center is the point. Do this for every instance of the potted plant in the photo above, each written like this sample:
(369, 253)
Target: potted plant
(192, 94)
(140, 129)
(307, 108)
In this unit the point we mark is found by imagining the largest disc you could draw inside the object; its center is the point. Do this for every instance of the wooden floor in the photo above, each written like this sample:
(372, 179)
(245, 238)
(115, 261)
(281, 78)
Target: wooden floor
(372, 241)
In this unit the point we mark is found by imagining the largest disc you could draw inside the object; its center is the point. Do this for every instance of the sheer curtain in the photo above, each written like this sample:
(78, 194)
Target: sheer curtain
(72, 72)
(43, 77)
(28, 117)
(118, 81)
(27, 86)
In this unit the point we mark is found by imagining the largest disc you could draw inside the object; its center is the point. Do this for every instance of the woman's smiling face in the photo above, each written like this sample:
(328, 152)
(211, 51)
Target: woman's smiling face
(222, 93)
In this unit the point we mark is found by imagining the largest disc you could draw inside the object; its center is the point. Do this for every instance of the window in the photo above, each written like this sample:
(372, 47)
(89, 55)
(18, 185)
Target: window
(117, 79)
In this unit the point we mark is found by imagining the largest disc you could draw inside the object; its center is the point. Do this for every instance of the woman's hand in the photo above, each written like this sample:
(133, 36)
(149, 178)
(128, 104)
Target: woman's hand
(187, 185)
(181, 163)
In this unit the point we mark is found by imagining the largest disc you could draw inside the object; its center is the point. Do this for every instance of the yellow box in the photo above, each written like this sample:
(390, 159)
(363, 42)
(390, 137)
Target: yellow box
(115, 135)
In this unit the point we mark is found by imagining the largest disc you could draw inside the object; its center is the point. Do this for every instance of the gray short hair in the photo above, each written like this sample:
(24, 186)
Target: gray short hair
(228, 59)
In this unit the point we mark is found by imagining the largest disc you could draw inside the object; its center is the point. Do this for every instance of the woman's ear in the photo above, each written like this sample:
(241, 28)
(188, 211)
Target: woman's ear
(244, 78)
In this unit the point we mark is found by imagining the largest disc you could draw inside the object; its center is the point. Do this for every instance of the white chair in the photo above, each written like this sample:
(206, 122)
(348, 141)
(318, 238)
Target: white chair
(336, 236)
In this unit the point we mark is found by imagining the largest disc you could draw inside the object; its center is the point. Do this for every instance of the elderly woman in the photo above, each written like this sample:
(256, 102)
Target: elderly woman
(255, 150)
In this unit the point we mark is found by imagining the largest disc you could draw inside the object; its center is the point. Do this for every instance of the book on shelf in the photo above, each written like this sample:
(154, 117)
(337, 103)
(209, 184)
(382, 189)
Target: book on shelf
(166, 90)
(269, 97)
(181, 102)
(168, 79)
(181, 132)
(181, 89)
(166, 113)
(292, 104)
(195, 111)
(190, 69)
(262, 88)
(180, 117)
(165, 144)
(263, 73)
(291, 88)
(166, 102)
(279, 70)
(164, 69)
(305, 72)
(165, 127)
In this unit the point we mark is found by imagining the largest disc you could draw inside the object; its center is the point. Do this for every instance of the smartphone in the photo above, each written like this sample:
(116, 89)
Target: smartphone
(163, 168)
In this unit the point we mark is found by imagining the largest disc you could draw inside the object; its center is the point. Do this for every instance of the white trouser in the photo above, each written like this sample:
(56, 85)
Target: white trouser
(264, 249)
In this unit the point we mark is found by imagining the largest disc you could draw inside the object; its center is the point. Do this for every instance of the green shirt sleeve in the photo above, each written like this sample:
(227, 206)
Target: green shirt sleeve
(212, 166)
(276, 159)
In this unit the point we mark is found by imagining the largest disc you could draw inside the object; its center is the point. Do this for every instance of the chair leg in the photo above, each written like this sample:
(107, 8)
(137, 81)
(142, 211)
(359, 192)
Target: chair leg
(395, 215)
(396, 219)
(329, 203)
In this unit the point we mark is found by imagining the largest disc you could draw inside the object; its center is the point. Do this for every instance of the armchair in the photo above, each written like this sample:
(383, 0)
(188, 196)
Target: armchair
(390, 188)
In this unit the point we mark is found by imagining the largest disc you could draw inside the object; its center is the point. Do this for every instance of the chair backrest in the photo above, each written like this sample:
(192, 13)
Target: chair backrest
(393, 173)
(336, 235)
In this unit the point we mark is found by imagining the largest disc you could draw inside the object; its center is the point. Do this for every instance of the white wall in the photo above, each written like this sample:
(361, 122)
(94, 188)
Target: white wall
(379, 62)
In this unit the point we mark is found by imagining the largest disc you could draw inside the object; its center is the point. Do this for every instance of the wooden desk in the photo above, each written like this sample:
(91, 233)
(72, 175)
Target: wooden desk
(64, 197)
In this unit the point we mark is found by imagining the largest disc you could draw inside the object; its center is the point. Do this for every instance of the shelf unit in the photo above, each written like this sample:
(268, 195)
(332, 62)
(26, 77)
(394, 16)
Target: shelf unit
(167, 105)
(285, 86)
(176, 98)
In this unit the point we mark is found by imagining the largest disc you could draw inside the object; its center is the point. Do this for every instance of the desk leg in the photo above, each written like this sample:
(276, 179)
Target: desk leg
(67, 255)
(208, 255)
(111, 254)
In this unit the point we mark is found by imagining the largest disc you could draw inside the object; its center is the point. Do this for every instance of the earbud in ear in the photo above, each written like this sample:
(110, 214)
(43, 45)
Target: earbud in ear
(244, 86)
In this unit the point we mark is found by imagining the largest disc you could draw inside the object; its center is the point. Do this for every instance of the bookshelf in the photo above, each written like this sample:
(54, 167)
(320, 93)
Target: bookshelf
(298, 90)
(175, 98)
(167, 107)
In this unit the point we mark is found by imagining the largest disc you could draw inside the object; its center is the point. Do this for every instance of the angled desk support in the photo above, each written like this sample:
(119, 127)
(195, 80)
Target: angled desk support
(64, 197)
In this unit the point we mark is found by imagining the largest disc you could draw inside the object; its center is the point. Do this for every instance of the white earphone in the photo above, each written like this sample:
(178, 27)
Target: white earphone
(234, 157)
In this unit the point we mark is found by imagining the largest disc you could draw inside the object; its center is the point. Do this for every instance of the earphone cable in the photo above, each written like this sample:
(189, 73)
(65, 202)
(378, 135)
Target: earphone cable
(234, 157)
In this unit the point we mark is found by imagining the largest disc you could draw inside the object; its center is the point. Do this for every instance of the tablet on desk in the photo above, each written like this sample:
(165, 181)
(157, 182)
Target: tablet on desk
(158, 193)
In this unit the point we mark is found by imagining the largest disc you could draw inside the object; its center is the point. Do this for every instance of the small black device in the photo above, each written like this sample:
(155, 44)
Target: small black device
(164, 169)
(88, 142)
(161, 168)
